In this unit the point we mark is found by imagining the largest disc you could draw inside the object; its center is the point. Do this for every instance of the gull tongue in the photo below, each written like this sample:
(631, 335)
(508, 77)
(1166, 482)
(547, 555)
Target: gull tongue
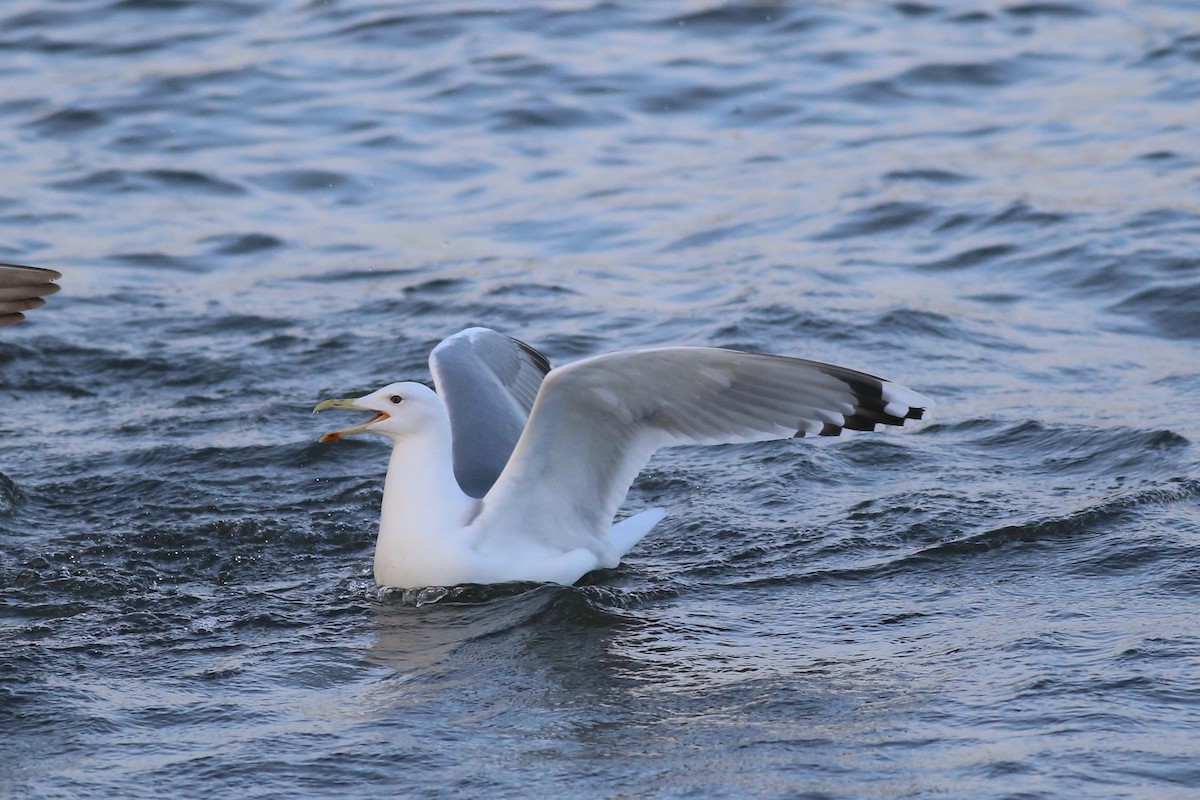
(333, 436)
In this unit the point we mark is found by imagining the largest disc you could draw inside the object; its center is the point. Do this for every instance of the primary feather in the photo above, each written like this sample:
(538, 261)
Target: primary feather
(22, 289)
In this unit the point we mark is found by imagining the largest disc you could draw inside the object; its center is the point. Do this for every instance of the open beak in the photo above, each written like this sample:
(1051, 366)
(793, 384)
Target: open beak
(348, 405)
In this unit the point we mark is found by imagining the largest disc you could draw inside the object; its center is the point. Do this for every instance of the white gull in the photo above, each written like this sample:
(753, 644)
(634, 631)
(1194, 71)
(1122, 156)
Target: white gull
(513, 471)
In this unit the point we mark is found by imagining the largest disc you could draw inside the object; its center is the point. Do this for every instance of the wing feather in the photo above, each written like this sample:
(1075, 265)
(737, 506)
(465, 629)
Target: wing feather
(22, 289)
(488, 383)
(596, 423)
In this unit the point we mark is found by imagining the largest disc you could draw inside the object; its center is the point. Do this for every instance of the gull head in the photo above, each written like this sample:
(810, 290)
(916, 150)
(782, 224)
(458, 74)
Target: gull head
(400, 409)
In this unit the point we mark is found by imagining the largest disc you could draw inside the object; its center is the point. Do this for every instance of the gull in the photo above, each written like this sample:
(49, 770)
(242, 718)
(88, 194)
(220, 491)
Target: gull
(513, 471)
(22, 289)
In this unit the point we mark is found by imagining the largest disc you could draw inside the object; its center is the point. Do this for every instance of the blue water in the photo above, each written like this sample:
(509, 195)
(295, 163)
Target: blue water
(259, 205)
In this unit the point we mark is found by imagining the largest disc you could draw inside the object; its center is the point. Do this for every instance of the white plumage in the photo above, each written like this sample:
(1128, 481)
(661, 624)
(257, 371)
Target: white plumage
(513, 471)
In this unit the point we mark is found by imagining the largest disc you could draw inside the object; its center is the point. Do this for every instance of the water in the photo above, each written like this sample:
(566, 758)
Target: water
(259, 205)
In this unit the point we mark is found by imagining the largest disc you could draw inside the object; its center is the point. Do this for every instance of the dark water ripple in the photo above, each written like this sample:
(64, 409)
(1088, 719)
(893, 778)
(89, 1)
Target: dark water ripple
(259, 205)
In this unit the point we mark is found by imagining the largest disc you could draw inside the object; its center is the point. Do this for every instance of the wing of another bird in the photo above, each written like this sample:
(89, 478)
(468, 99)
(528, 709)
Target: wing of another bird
(22, 289)
(488, 382)
(596, 423)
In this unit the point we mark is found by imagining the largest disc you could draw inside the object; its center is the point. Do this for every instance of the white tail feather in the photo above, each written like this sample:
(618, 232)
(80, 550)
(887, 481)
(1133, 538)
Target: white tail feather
(628, 532)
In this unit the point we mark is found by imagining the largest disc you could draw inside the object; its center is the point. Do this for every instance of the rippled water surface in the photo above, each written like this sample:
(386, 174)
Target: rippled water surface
(257, 205)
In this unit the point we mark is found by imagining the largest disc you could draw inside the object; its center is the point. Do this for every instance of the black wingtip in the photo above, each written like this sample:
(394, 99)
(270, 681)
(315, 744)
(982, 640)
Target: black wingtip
(829, 429)
(539, 360)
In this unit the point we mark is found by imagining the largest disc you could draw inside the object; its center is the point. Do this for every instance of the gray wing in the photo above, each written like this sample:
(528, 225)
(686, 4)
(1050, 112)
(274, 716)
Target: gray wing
(22, 289)
(597, 422)
(488, 382)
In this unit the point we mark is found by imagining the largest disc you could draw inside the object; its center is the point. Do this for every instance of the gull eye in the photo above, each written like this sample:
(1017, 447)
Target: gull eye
(396, 399)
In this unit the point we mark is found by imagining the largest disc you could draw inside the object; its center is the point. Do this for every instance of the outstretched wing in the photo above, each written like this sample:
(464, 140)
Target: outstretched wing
(488, 383)
(597, 422)
(22, 289)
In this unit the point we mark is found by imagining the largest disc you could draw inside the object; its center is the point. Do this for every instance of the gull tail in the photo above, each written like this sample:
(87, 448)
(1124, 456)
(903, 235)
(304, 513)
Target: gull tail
(628, 532)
